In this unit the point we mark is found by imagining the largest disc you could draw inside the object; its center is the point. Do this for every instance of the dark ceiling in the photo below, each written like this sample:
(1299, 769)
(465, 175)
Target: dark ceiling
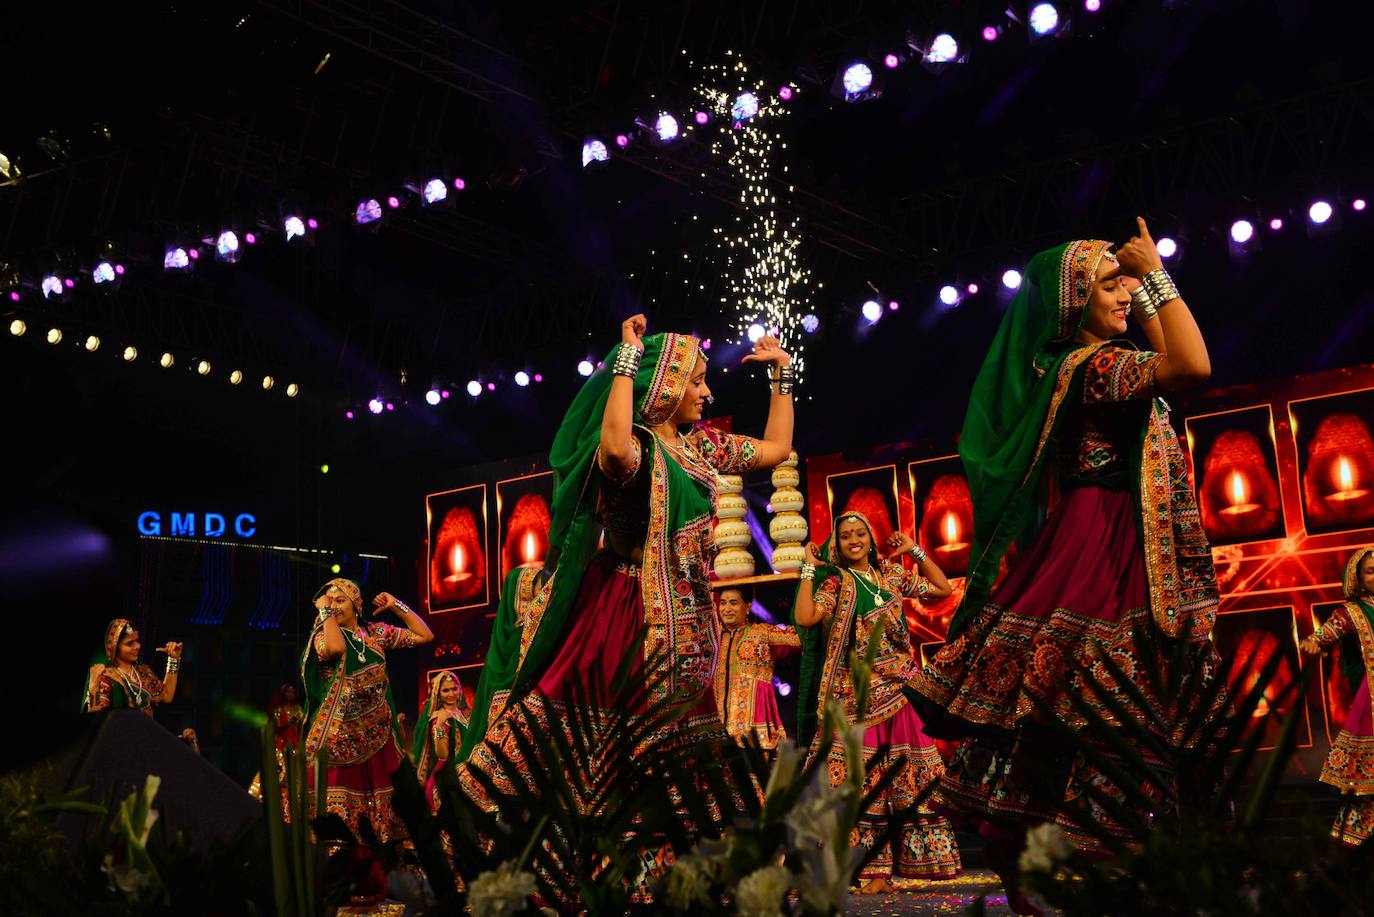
(173, 120)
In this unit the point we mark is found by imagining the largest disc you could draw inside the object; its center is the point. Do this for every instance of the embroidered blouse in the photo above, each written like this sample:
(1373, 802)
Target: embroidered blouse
(1096, 438)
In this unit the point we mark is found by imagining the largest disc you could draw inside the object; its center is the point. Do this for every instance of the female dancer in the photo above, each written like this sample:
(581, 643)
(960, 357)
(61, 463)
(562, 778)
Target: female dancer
(439, 730)
(122, 681)
(857, 595)
(743, 683)
(287, 715)
(1121, 563)
(622, 463)
(1351, 762)
(350, 715)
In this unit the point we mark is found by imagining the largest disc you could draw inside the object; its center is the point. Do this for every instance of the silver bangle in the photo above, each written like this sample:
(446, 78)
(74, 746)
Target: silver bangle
(786, 378)
(1142, 306)
(808, 572)
(627, 360)
(173, 665)
(1160, 286)
(402, 608)
(918, 552)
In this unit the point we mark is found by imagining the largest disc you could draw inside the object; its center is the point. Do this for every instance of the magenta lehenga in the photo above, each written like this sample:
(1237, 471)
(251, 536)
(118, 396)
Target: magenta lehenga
(1119, 569)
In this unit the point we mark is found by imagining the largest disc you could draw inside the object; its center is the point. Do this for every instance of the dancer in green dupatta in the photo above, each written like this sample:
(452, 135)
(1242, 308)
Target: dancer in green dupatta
(439, 730)
(120, 680)
(856, 594)
(1070, 456)
(1350, 765)
(350, 715)
(624, 465)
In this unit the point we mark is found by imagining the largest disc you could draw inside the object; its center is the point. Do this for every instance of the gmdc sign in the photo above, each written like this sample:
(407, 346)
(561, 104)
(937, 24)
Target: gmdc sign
(211, 525)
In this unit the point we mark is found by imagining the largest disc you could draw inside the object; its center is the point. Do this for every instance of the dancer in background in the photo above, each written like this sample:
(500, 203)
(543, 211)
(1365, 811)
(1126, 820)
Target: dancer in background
(350, 714)
(858, 594)
(743, 683)
(1350, 765)
(439, 730)
(121, 680)
(1070, 454)
(287, 716)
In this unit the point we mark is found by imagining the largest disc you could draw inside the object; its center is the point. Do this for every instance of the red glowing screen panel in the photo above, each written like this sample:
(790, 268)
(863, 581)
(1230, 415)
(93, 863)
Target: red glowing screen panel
(1246, 641)
(523, 520)
(872, 491)
(943, 522)
(458, 549)
(1236, 473)
(1337, 691)
(1335, 443)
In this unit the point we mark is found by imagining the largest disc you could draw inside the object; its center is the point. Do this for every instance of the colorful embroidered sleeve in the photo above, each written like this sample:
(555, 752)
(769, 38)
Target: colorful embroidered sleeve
(782, 640)
(729, 453)
(900, 580)
(392, 637)
(636, 459)
(1120, 374)
(827, 595)
(101, 699)
(151, 683)
(1336, 627)
(320, 653)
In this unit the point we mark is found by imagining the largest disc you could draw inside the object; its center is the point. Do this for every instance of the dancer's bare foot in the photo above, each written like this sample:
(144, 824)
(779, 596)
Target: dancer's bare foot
(878, 886)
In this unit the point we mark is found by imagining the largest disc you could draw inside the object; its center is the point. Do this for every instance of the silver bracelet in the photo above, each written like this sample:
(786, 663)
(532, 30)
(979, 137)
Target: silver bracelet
(786, 378)
(402, 608)
(1142, 306)
(173, 665)
(808, 572)
(918, 552)
(627, 360)
(1160, 286)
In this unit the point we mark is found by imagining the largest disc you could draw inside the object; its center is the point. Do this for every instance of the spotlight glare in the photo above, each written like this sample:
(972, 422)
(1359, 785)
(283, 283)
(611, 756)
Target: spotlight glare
(474, 388)
(746, 106)
(104, 273)
(227, 246)
(176, 259)
(785, 93)
(1276, 224)
(267, 383)
(203, 368)
(858, 78)
(702, 117)
(755, 332)
(92, 343)
(250, 238)
(1319, 212)
(375, 405)
(990, 33)
(666, 127)
(166, 360)
(348, 414)
(18, 327)
(949, 295)
(943, 49)
(594, 151)
(891, 61)
(622, 140)
(235, 377)
(538, 377)
(295, 228)
(491, 386)
(585, 368)
(130, 353)
(972, 289)
(393, 202)
(52, 286)
(810, 322)
(368, 211)
(522, 378)
(292, 390)
(54, 335)
(194, 253)
(1044, 18)
(1242, 231)
(1092, 6)
(872, 310)
(1011, 279)
(432, 397)
(460, 184)
(312, 223)
(14, 296)
(1167, 247)
(1358, 203)
(435, 191)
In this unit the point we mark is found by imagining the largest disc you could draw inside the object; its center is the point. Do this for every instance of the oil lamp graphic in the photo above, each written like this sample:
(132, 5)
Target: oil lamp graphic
(952, 533)
(1345, 477)
(459, 567)
(1238, 492)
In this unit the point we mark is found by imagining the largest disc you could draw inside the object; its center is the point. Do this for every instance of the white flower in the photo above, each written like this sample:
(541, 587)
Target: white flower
(1046, 846)
(785, 768)
(689, 881)
(500, 892)
(124, 877)
(760, 893)
(815, 819)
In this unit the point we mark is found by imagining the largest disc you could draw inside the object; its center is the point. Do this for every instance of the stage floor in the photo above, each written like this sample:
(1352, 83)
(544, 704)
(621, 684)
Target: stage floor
(952, 897)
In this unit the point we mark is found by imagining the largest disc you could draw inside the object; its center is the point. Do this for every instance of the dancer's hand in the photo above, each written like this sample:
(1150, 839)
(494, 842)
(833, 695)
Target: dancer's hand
(768, 350)
(97, 670)
(1310, 647)
(632, 331)
(811, 557)
(172, 649)
(1139, 256)
(899, 543)
(382, 601)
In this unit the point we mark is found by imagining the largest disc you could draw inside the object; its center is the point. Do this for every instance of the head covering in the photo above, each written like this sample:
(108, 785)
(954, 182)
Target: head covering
(668, 362)
(1351, 581)
(114, 632)
(1006, 424)
(1352, 657)
(349, 588)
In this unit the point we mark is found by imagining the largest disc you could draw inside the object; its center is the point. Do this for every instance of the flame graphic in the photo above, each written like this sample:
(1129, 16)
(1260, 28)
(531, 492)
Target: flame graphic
(949, 527)
(1238, 492)
(529, 548)
(1345, 474)
(458, 558)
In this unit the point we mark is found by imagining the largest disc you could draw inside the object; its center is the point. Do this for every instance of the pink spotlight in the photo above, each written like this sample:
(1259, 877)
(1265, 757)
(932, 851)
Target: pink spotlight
(491, 386)
(119, 269)
(1276, 224)
(706, 344)
(1092, 6)
(972, 289)
(194, 254)
(69, 283)
(891, 61)
(390, 406)
(14, 296)
(538, 377)
(393, 202)
(785, 93)
(459, 184)
(622, 141)
(249, 238)
(348, 414)
(1358, 203)
(313, 223)
(445, 393)
(990, 33)
(893, 305)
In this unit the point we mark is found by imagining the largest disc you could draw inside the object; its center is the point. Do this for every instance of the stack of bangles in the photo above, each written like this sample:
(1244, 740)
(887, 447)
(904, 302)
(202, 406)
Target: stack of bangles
(808, 572)
(627, 360)
(1156, 289)
(173, 665)
(786, 378)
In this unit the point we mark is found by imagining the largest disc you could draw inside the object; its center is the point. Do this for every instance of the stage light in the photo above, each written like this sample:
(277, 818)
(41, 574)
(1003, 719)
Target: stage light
(622, 140)
(203, 367)
(785, 93)
(369, 211)
(1092, 6)
(943, 49)
(250, 238)
(1011, 279)
(432, 397)
(538, 377)
(166, 360)
(69, 283)
(585, 368)
(972, 289)
(810, 322)
(235, 377)
(990, 33)
(334, 568)
(701, 118)
(1276, 224)
(459, 184)
(1167, 247)
(294, 228)
(176, 259)
(491, 386)
(949, 295)
(104, 272)
(891, 61)
(435, 191)
(522, 378)
(313, 224)
(1319, 212)
(324, 469)
(14, 296)
(194, 253)
(872, 310)
(784, 689)
(444, 393)
(857, 80)
(292, 390)
(666, 127)
(1358, 203)
(474, 388)
(755, 332)
(227, 246)
(130, 353)
(54, 335)
(92, 344)
(52, 286)
(393, 202)
(594, 151)
(18, 327)
(375, 405)
(1242, 231)
(706, 344)
(1044, 19)
(893, 305)
(745, 106)
(267, 383)
(348, 414)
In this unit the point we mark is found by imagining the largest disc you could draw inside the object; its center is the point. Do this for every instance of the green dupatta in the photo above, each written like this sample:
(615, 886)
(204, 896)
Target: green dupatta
(1352, 664)
(421, 746)
(679, 506)
(501, 663)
